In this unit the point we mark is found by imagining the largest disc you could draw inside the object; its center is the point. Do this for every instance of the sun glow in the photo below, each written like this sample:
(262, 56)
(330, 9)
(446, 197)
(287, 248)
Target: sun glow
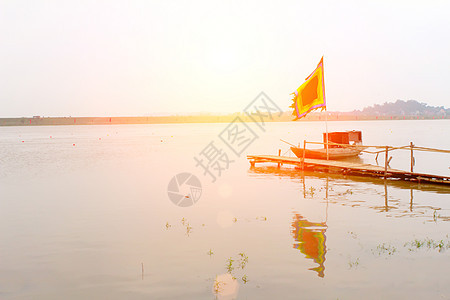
(224, 59)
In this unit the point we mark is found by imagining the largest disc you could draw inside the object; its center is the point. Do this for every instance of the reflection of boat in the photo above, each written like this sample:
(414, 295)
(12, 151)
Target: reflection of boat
(336, 148)
(310, 240)
(413, 208)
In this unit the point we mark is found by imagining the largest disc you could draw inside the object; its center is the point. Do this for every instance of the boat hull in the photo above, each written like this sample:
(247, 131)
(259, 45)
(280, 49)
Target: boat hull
(333, 153)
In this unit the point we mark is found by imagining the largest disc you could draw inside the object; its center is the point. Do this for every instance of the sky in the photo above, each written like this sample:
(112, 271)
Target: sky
(140, 58)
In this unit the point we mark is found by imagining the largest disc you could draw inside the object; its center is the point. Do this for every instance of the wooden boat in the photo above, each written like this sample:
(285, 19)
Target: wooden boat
(333, 153)
(342, 145)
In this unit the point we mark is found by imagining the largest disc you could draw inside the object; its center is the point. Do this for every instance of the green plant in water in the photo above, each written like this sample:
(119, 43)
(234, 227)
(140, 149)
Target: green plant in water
(414, 245)
(311, 191)
(244, 279)
(218, 286)
(353, 264)
(234, 265)
(441, 245)
(429, 243)
(243, 260)
(385, 248)
(229, 265)
(436, 216)
(354, 235)
(188, 229)
(418, 243)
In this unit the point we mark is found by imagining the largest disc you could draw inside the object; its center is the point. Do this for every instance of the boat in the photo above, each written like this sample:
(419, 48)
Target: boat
(341, 145)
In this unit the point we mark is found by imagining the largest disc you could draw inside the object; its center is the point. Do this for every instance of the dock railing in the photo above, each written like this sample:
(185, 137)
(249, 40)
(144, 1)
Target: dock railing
(380, 149)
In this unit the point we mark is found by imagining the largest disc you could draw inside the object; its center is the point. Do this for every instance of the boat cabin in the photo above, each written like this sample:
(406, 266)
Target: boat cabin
(353, 137)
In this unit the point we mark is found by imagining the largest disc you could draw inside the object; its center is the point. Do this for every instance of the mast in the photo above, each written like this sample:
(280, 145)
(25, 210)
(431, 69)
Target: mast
(326, 112)
(326, 127)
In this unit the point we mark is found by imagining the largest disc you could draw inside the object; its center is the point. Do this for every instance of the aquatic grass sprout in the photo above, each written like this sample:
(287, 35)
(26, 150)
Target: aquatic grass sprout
(385, 249)
(225, 287)
(229, 265)
(234, 265)
(243, 260)
(311, 191)
(353, 234)
(185, 224)
(428, 243)
(353, 264)
(415, 245)
(188, 229)
(218, 285)
(436, 216)
(244, 279)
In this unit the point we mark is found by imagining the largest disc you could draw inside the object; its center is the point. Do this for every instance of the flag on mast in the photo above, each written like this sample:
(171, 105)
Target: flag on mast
(311, 94)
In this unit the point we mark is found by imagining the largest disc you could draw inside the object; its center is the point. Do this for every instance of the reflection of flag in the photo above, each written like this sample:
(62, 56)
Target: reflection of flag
(310, 240)
(311, 94)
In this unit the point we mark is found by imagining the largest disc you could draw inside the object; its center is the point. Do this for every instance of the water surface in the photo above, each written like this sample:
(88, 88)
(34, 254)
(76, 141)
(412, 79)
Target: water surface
(85, 214)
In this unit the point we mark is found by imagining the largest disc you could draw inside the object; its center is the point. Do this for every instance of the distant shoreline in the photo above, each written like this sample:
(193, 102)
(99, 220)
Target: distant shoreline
(286, 117)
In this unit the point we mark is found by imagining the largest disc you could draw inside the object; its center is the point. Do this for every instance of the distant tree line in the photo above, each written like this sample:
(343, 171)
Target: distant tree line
(403, 108)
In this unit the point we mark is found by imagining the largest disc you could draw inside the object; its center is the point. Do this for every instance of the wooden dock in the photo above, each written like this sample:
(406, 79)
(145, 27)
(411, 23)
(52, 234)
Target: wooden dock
(349, 168)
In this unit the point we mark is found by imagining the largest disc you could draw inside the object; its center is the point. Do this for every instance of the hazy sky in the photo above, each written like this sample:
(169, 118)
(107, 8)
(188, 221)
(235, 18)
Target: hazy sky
(123, 58)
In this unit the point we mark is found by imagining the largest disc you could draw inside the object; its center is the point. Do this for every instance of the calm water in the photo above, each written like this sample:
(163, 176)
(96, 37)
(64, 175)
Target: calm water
(85, 214)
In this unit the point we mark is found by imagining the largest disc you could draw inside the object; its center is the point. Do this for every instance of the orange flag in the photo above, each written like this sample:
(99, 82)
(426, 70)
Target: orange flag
(311, 94)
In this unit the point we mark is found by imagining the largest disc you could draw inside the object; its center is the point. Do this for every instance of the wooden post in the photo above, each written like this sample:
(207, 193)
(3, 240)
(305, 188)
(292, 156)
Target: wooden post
(279, 154)
(411, 203)
(386, 203)
(389, 160)
(412, 156)
(304, 151)
(304, 185)
(386, 162)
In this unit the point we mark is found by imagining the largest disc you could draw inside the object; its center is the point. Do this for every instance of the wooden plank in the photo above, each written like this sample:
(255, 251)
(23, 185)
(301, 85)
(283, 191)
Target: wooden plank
(339, 164)
(351, 168)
